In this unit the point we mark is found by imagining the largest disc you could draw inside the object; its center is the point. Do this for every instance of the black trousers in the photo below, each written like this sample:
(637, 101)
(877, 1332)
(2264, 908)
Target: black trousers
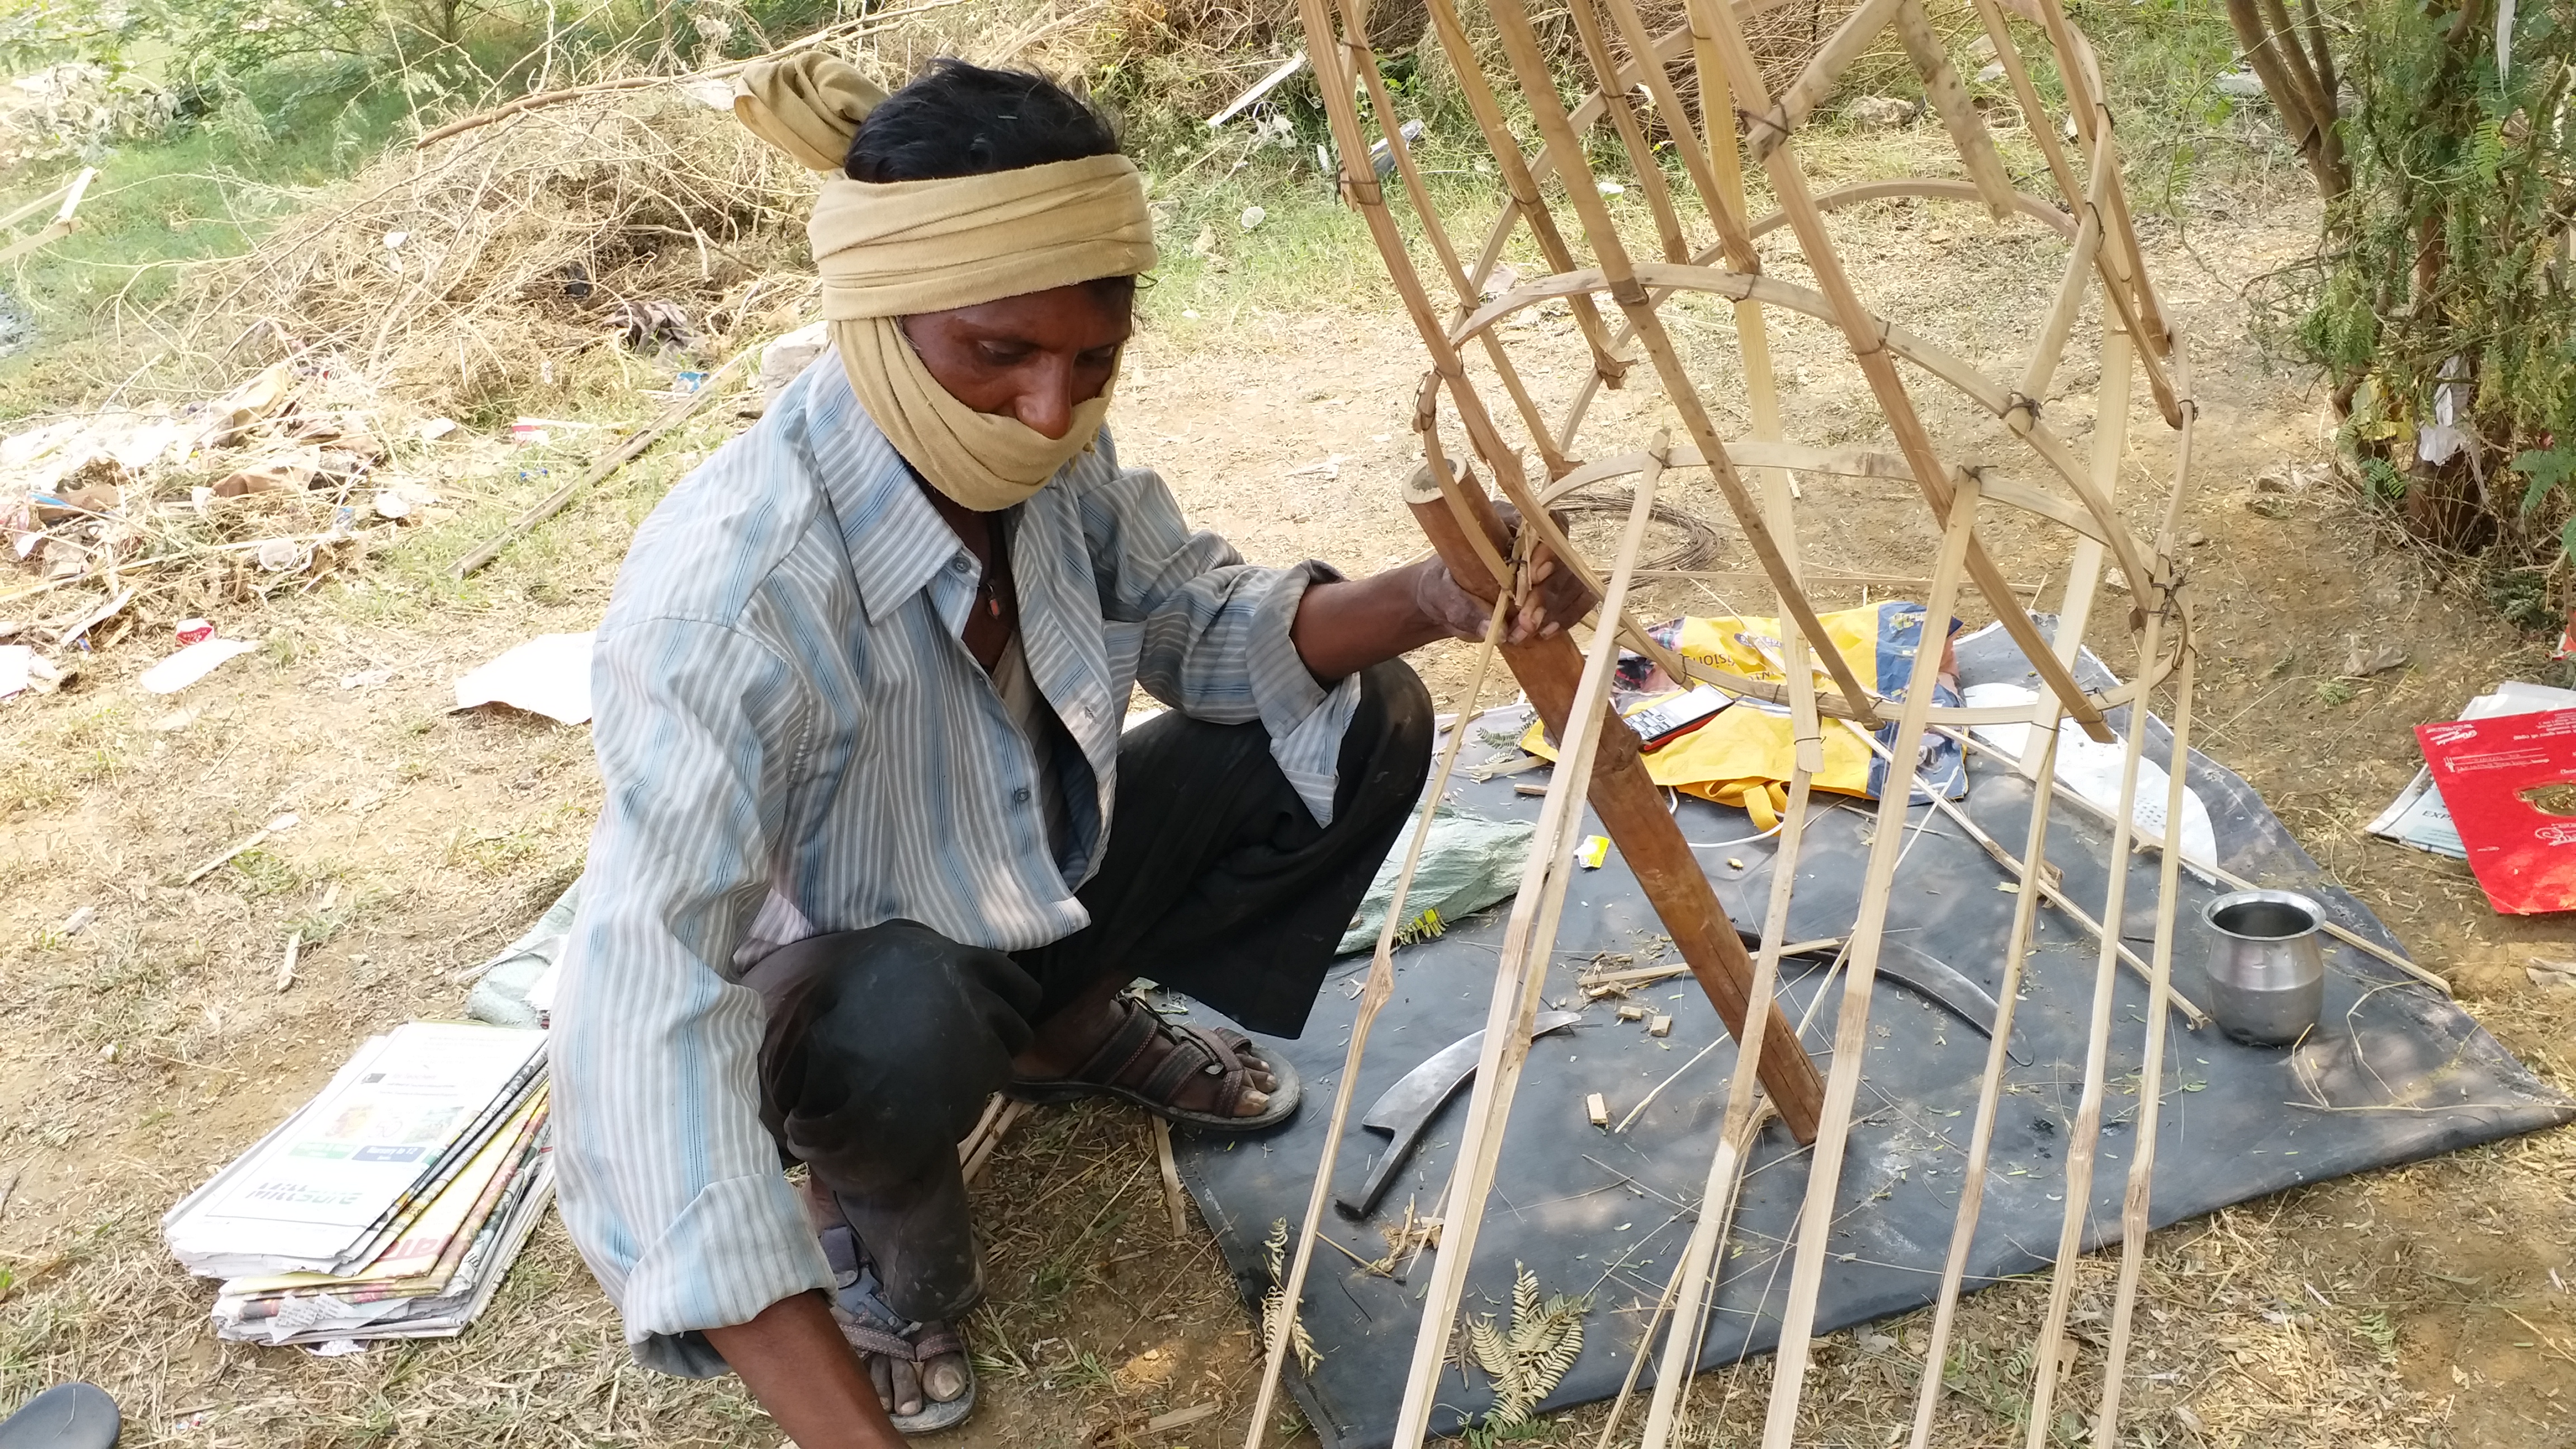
(882, 1045)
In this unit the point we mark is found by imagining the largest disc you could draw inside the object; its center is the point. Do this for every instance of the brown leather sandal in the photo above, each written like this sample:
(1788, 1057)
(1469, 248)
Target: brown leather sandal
(1128, 1065)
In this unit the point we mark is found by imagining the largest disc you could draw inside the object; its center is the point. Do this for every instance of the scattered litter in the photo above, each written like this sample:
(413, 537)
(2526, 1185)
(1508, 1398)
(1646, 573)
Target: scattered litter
(1179, 1418)
(2510, 784)
(193, 631)
(192, 663)
(2543, 972)
(1252, 218)
(433, 429)
(783, 359)
(2367, 661)
(390, 1205)
(1597, 1108)
(1879, 112)
(390, 504)
(16, 669)
(2092, 769)
(2417, 816)
(287, 821)
(1613, 188)
(548, 675)
(1632, 1013)
(1592, 852)
(1660, 1026)
(74, 923)
(1468, 863)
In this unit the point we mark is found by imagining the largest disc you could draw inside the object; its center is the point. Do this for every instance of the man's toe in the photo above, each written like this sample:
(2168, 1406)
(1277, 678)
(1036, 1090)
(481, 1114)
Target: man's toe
(881, 1373)
(907, 1389)
(945, 1378)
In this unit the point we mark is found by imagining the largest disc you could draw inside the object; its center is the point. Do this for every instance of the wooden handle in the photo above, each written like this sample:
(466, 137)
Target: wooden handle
(1631, 808)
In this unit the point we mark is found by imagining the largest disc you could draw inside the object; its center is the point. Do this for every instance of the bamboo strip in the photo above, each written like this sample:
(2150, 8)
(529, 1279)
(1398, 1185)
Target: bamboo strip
(1520, 43)
(1695, 1277)
(1869, 347)
(1391, 130)
(1889, 338)
(1632, 136)
(2085, 1137)
(2142, 1160)
(2110, 444)
(1851, 1026)
(2228, 878)
(1520, 186)
(1818, 578)
(1981, 1133)
(1694, 1274)
(1374, 994)
(2048, 888)
(1725, 208)
(1869, 342)
(1770, 124)
(1528, 938)
(2034, 114)
(1752, 333)
(2059, 324)
(1950, 102)
(2136, 1199)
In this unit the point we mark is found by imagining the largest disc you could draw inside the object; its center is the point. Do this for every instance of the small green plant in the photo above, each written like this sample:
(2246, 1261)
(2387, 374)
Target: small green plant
(1275, 1250)
(1527, 1360)
(2381, 1333)
(2334, 691)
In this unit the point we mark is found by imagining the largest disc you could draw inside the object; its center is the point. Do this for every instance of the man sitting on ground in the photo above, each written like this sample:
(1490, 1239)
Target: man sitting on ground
(874, 845)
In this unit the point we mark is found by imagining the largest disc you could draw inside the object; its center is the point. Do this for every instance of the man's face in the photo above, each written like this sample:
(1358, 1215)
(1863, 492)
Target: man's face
(1035, 357)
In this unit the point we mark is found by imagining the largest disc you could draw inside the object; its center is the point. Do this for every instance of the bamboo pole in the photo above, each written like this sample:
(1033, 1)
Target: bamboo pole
(1391, 129)
(1632, 137)
(1518, 184)
(1528, 937)
(1950, 102)
(1634, 814)
(1851, 1026)
(1374, 994)
(1771, 125)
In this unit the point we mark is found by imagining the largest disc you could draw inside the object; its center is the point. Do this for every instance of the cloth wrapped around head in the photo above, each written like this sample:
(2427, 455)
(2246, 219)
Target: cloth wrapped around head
(888, 250)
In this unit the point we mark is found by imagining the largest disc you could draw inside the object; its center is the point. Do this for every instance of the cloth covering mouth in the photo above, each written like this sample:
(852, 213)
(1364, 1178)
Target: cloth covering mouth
(889, 250)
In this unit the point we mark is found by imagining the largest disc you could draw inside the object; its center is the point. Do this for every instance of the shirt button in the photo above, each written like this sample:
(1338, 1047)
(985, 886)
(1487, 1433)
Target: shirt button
(1020, 796)
(960, 564)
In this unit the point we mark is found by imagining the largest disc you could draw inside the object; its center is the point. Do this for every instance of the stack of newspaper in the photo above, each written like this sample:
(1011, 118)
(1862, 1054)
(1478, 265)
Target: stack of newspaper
(389, 1206)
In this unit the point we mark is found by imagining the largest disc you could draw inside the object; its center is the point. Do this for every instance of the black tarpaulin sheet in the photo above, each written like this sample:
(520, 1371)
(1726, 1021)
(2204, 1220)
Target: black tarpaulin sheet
(2396, 1072)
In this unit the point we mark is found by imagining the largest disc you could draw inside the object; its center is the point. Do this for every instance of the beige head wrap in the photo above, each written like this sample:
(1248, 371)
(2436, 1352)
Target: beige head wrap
(886, 251)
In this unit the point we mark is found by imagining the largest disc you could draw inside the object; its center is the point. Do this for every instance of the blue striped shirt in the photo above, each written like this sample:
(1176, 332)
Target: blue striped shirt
(795, 740)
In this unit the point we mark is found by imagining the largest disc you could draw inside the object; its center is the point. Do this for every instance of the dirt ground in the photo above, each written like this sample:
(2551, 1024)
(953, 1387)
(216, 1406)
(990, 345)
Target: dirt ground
(2422, 1306)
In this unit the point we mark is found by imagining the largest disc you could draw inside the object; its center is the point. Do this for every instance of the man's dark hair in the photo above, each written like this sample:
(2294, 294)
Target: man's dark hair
(956, 119)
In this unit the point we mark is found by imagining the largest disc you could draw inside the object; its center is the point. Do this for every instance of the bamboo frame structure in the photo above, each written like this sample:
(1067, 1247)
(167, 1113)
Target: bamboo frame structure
(1680, 234)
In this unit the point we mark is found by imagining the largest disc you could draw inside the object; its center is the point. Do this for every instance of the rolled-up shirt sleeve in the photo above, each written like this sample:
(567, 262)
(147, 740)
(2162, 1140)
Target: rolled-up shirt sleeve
(1216, 629)
(669, 1184)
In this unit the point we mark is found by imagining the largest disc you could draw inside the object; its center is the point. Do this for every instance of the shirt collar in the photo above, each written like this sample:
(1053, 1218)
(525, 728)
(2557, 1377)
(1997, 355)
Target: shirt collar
(896, 541)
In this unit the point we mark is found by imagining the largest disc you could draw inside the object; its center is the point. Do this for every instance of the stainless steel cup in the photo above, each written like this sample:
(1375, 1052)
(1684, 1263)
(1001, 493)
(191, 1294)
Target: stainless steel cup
(2267, 979)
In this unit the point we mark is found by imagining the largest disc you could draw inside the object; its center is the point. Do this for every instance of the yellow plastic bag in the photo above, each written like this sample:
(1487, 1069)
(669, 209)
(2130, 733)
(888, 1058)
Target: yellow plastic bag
(1745, 756)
